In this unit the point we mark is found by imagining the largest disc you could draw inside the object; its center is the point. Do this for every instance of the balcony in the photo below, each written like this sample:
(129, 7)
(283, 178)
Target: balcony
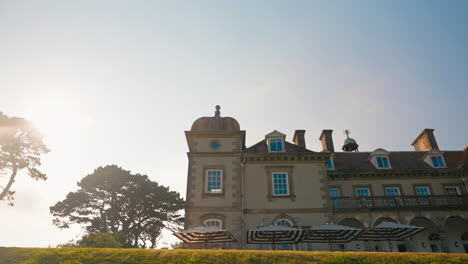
(430, 202)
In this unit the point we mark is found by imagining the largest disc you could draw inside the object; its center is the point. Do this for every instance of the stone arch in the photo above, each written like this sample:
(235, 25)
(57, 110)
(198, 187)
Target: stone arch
(456, 234)
(427, 240)
(352, 222)
(384, 219)
(286, 217)
(215, 216)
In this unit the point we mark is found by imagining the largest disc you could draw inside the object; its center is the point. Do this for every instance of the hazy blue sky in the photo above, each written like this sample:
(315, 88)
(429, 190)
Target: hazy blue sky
(118, 82)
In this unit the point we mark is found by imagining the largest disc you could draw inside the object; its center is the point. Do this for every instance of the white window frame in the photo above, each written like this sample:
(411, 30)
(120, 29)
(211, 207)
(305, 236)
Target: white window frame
(207, 181)
(452, 186)
(276, 139)
(437, 159)
(286, 220)
(213, 220)
(426, 187)
(273, 183)
(363, 188)
(397, 188)
(383, 164)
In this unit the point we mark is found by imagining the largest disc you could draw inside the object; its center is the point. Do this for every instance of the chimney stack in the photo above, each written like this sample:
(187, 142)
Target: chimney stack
(425, 141)
(327, 140)
(299, 138)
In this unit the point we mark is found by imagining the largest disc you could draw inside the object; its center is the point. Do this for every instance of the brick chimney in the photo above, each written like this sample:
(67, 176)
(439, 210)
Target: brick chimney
(299, 138)
(327, 140)
(425, 141)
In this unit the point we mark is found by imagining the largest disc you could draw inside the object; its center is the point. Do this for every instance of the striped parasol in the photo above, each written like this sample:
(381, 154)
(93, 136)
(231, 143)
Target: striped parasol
(386, 231)
(274, 234)
(389, 231)
(204, 234)
(331, 233)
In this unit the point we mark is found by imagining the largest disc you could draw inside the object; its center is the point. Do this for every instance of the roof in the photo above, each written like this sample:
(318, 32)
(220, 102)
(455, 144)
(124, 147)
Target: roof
(399, 160)
(261, 147)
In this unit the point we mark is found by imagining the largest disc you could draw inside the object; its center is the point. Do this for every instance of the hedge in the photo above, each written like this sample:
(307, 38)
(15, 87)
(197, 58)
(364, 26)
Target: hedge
(147, 256)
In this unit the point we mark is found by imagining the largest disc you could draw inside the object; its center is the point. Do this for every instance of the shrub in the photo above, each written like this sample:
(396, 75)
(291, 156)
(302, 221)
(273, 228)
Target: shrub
(183, 256)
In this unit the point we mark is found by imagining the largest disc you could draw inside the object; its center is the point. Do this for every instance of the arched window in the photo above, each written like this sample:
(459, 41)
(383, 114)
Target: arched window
(215, 223)
(283, 222)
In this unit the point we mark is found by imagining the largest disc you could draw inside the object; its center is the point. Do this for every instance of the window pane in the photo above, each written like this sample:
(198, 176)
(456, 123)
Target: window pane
(440, 161)
(329, 164)
(379, 162)
(362, 192)
(280, 145)
(214, 181)
(422, 191)
(334, 192)
(435, 162)
(452, 190)
(392, 191)
(280, 184)
(385, 163)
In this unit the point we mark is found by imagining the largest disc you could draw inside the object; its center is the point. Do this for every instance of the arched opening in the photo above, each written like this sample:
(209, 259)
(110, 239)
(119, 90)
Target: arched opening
(456, 230)
(387, 245)
(353, 245)
(286, 223)
(214, 223)
(427, 240)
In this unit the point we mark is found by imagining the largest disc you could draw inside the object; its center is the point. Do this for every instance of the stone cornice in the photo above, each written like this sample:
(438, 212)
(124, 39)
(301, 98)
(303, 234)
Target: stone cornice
(284, 156)
(385, 174)
(214, 154)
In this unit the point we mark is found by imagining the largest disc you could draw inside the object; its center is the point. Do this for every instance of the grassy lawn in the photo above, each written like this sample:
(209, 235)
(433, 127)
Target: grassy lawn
(146, 256)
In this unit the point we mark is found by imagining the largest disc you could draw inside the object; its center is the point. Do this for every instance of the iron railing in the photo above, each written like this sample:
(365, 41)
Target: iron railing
(430, 202)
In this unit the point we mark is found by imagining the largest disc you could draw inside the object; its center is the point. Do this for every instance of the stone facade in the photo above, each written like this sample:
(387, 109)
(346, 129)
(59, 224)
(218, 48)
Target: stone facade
(275, 181)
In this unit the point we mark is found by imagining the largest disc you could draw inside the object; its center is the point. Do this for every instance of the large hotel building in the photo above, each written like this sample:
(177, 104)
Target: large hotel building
(238, 188)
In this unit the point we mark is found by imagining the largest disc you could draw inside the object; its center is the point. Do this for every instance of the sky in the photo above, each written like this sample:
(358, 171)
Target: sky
(118, 82)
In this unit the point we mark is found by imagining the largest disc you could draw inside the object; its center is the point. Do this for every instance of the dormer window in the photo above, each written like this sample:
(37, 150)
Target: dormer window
(380, 159)
(382, 162)
(276, 145)
(437, 161)
(329, 164)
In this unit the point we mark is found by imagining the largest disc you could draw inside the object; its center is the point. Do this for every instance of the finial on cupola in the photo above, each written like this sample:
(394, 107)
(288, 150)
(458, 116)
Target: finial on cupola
(217, 113)
(349, 143)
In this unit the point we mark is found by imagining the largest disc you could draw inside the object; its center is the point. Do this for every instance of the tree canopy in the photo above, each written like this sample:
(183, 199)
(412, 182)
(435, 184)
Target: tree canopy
(114, 200)
(21, 147)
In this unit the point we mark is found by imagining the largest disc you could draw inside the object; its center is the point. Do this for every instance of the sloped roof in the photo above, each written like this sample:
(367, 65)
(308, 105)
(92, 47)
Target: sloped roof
(399, 160)
(261, 147)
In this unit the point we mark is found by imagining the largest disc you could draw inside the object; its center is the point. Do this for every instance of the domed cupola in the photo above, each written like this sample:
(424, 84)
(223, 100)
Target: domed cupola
(215, 123)
(349, 143)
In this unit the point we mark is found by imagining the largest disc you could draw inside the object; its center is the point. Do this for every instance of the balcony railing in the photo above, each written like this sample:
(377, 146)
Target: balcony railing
(430, 202)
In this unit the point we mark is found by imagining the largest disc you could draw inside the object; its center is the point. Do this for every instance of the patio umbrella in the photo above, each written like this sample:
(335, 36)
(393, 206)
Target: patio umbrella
(331, 233)
(274, 234)
(204, 234)
(389, 231)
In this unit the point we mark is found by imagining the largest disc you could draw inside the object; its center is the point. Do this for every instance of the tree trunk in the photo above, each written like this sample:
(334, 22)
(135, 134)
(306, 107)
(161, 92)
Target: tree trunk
(10, 182)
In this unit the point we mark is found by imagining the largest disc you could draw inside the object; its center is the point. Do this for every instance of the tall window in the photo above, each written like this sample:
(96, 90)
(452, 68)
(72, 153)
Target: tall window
(422, 191)
(363, 192)
(392, 191)
(382, 162)
(276, 145)
(280, 183)
(452, 190)
(334, 193)
(215, 223)
(214, 181)
(437, 161)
